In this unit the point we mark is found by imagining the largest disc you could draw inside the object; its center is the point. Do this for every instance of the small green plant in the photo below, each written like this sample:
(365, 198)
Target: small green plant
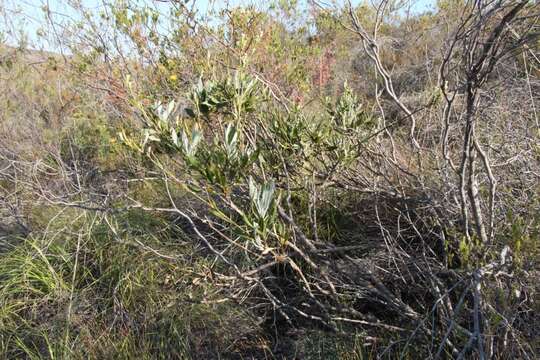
(347, 113)
(235, 95)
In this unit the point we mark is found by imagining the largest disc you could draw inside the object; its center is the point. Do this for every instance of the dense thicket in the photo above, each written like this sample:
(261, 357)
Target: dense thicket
(281, 180)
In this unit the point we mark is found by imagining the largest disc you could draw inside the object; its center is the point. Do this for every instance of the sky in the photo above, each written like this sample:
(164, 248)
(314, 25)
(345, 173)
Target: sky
(28, 15)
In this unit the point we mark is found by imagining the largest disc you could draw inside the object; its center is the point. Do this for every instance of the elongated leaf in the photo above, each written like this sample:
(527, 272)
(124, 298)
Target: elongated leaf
(261, 196)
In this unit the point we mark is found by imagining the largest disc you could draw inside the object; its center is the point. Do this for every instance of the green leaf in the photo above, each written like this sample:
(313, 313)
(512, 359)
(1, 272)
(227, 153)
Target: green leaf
(261, 196)
(231, 141)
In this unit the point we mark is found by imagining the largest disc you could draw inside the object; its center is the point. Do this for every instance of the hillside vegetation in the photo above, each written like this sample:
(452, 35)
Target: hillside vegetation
(278, 180)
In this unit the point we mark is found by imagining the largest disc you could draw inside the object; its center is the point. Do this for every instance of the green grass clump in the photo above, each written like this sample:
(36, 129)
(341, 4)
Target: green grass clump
(102, 293)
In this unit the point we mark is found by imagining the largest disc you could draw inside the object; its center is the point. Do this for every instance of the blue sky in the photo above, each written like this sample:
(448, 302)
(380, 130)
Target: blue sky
(29, 15)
